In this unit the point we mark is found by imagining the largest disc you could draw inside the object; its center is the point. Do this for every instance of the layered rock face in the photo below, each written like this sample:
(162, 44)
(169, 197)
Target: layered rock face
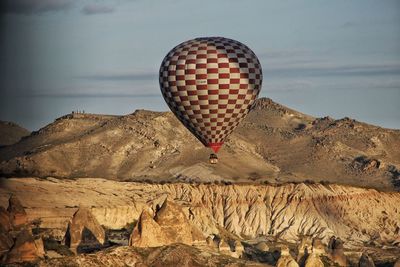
(292, 210)
(287, 212)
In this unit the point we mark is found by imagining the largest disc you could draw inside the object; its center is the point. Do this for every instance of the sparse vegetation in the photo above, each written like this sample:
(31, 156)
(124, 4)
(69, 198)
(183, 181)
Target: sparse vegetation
(36, 226)
(324, 182)
(254, 176)
(129, 226)
(52, 244)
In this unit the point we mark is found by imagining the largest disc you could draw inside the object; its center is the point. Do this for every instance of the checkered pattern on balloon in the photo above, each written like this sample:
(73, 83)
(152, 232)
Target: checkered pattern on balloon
(210, 84)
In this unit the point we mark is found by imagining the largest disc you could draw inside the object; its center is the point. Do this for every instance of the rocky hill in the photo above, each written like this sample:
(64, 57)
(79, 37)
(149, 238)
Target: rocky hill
(11, 133)
(273, 144)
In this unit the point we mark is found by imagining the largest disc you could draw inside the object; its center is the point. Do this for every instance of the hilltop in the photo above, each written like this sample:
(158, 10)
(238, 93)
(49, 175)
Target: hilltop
(274, 144)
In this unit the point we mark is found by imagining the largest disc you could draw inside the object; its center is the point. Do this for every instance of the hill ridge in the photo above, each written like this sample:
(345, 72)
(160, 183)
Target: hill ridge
(274, 144)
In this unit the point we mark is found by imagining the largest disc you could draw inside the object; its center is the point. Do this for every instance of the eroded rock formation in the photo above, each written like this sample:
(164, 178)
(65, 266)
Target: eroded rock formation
(336, 250)
(5, 219)
(147, 233)
(286, 260)
(175, 225)
(366, 261)
(17, 243)
(262, 246)
(84, 231)
(24, 249)
(169, 225)
(216, 210)
(17, 214)
(212, 242)
(6, 241)
(287, 212)
(224, 247)
(314, 259)
(238, 248)
(304, 249)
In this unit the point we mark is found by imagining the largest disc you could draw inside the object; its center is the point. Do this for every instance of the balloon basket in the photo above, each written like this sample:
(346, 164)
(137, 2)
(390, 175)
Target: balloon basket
(213, 158)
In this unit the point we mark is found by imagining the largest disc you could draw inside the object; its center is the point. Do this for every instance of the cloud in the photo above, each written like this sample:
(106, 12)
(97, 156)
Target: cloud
(91, 95)
(287, 85)
(323, 69)
(93, 9)
(94, 89)
(28, 7)
(348, 24)
(123, 76)
(277, 54)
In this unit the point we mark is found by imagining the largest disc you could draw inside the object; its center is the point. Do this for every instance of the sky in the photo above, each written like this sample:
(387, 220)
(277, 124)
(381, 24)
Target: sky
(324, 58)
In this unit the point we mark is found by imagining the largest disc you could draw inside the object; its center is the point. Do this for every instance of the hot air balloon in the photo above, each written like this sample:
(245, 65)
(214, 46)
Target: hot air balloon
(210, 84)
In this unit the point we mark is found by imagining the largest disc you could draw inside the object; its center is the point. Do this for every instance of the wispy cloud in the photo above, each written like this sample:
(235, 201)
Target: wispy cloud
(28, 7)
(348, 24)
(324, 69)
(133, 75)
(91, 95)
(94, 9)
(287, 85)
(277, 54)
(92, 89)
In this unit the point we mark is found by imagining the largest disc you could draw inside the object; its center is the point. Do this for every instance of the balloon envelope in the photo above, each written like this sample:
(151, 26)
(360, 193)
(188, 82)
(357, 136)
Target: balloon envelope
(210, 84)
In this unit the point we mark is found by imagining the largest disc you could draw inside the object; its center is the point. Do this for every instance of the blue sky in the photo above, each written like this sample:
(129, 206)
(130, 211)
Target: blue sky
(337, 58)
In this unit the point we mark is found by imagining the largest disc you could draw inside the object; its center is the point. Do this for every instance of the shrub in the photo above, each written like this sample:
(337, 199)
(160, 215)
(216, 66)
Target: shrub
(129, 226)
(52, 244)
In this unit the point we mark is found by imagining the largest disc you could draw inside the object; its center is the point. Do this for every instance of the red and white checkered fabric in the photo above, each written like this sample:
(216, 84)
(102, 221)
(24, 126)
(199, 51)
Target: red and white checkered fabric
(210, 84)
